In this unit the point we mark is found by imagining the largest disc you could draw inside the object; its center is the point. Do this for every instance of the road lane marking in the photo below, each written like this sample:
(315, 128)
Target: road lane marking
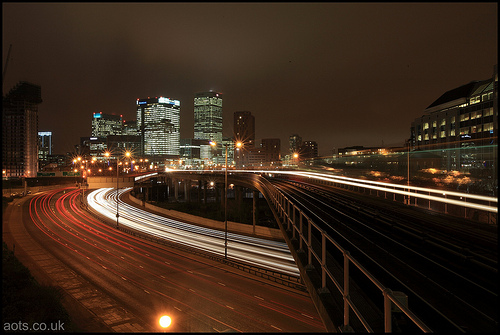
(276, 328)
(258, 297)
(221, 283)
(307, 316)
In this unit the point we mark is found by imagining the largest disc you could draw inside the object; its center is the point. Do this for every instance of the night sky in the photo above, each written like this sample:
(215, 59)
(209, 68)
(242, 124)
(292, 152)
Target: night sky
(340, 74)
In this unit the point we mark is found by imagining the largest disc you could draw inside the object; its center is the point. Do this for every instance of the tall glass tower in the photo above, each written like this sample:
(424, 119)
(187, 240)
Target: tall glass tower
(158, 123)
(208, 116)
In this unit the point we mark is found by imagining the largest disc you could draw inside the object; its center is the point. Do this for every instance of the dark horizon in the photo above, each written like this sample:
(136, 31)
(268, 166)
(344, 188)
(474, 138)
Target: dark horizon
(340, 74)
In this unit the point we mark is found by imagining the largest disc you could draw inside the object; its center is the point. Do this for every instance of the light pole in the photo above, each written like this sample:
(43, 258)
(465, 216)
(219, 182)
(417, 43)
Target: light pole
(238, 145)
(117, 215)
(127, 154)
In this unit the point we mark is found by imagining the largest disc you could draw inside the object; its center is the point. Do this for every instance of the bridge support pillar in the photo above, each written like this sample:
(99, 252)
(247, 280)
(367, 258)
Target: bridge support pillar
(187, 188)
(205, 192)
(255, 209)
(222, 188)
(199, 191)
(176, 189)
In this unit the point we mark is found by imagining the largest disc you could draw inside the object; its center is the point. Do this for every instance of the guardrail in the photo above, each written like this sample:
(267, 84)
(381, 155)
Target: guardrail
(302, 229)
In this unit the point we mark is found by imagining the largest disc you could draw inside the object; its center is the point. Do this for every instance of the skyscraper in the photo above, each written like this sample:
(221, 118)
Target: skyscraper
(244, 128)
(106, 124)
(20, 131)
(45, 147)
(208, 116)
(295, 142)
(158, 124)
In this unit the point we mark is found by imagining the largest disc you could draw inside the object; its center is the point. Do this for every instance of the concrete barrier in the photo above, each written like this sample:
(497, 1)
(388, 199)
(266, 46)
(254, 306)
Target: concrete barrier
(233, 227)
(104, 182)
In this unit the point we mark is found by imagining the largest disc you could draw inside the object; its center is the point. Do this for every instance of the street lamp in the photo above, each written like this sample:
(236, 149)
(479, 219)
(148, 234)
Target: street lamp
(127, 154)
(238, 145)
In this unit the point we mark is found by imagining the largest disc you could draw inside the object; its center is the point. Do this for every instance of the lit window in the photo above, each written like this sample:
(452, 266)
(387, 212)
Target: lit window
(488, 126)
(426, 125)
(475, 100)
(443, 133)
(443, 122)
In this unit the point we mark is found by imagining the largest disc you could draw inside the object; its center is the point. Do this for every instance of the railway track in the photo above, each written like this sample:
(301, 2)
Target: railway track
(447, 267)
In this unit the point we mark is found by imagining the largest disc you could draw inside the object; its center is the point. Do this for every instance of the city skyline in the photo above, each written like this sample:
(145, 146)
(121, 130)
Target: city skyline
(335, 73)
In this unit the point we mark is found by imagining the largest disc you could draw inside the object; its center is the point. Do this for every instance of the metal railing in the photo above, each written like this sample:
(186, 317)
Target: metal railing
(298, 222)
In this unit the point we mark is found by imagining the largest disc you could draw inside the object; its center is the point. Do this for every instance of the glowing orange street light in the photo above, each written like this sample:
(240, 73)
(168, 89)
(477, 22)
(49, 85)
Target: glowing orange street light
(165, 321)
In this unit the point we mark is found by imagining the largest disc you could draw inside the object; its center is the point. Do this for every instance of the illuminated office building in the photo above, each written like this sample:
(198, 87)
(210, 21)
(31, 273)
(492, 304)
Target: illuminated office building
(208, 116)
(20, 131)
(130, 128)
(461, 126)
(45, 146)
(106, 124)
(158, 124)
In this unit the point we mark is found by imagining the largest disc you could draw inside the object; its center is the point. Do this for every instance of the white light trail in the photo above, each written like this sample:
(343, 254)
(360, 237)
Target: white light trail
(439, 195)
(272, 255)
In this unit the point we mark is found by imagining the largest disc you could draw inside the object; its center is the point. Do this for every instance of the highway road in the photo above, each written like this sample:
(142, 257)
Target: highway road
(127, 283)
(271, 255)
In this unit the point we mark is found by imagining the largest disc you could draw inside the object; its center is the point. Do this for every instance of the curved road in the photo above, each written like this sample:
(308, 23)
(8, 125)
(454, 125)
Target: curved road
(127, 283)
(271, 255)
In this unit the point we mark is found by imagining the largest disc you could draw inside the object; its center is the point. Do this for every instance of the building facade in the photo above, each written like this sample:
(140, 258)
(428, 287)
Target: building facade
(309, 150)
(45, 147)
(130, 128)
(20, 131)
(158, 124)
(272, 150)
(244, 128)
(104, 125)
(208, 116)
(461, 126)
(295, 143)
